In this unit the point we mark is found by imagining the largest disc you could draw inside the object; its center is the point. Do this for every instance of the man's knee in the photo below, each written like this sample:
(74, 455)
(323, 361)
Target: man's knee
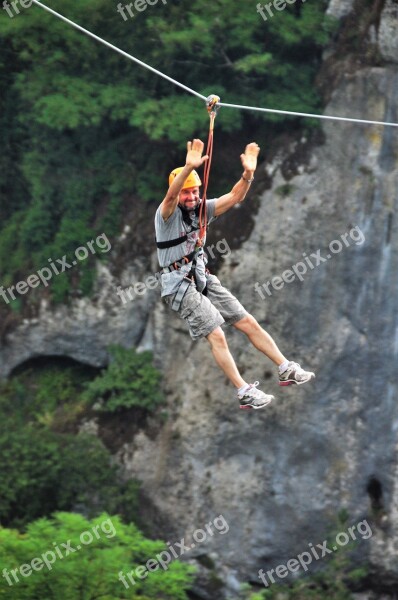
(217, 337)
(247, 323)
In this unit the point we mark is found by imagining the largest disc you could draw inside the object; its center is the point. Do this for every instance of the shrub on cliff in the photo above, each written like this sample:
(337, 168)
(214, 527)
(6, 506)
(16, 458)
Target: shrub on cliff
(129, 380)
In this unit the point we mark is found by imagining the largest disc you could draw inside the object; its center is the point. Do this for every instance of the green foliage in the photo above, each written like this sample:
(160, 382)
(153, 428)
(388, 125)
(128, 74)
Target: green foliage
(43, 469)
(92, 571)
(85, 129)
(49, 389)
(129, 380)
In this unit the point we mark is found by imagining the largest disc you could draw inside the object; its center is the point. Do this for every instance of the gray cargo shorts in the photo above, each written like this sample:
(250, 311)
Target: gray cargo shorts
(205, 313)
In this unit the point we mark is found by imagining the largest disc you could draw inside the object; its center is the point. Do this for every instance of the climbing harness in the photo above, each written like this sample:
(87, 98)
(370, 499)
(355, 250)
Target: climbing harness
(195, 259)
(182, 290)
(182, 238)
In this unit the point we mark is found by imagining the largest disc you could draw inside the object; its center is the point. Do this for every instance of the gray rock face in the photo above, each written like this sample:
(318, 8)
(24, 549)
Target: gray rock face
(388, 32)
(340, 8)
(85, 329)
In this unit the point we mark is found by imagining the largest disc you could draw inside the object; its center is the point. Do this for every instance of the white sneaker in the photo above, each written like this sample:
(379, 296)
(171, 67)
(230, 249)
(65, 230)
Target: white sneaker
(295, 374)
(254, 398)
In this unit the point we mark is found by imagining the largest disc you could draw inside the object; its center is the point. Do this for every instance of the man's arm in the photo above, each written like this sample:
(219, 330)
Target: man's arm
(193, 160)
(240, 189)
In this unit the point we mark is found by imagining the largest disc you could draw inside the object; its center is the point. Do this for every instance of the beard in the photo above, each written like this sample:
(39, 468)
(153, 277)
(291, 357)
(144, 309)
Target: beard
(191, 205)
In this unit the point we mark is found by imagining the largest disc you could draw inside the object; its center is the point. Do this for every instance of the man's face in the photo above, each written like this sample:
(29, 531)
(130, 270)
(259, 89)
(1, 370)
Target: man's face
(189, 198)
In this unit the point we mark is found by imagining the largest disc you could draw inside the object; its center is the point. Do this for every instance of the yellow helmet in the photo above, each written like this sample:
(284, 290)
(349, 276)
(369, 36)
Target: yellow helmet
(193, 179)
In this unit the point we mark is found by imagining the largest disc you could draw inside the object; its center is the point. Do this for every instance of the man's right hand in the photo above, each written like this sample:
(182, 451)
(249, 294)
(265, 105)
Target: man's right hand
(194, 154)
(193, 161)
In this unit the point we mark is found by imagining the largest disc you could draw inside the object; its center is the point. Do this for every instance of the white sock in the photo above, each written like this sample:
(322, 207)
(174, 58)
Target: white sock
(243, 389)
(282, 368)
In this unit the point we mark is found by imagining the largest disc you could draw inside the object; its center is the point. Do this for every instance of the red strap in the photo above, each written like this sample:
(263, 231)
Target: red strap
(206, 173)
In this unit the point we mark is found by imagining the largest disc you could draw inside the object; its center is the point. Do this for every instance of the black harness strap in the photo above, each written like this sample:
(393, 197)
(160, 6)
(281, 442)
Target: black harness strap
(180, 263)
(180, 240)
(172, 243)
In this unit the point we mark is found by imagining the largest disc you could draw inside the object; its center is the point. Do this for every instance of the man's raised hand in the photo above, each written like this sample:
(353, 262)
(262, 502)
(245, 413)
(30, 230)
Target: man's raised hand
(194, 154)
(249, 158)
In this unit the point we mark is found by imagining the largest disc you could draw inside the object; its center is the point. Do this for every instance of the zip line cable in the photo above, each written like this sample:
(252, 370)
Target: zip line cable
(300, 114)
(191, 91)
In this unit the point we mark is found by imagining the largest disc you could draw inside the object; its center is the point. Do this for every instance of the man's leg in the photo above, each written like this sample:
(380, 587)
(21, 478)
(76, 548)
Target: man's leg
(234, 313)
(260, 338)
(223, 357)
(291, 372)
(248, 394)
(205, 320)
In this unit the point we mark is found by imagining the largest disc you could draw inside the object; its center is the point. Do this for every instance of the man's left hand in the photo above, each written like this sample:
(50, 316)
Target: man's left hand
(249, 158)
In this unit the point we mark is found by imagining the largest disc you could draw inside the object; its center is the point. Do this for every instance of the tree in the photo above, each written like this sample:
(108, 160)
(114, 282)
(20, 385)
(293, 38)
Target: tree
(78, 559)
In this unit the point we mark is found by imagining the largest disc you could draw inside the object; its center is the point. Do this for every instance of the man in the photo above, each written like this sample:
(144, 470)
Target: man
(198, 297)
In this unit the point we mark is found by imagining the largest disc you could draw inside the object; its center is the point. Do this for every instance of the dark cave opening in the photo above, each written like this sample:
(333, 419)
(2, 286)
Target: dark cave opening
(375, 493)
(57, 361)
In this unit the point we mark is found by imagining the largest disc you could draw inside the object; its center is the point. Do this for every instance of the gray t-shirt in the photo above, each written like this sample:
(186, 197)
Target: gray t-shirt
(173, 228)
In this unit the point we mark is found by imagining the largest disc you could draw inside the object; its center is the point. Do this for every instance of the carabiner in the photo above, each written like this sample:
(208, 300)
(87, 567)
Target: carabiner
(212, 103)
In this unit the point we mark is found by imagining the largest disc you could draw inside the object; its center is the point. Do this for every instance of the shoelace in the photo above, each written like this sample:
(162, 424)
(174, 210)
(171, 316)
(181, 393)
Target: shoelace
(252, 388)
(299, 371)
(297, 366)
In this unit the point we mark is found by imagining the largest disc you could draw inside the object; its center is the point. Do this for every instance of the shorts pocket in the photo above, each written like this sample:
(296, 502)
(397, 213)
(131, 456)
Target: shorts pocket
(190, 302)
